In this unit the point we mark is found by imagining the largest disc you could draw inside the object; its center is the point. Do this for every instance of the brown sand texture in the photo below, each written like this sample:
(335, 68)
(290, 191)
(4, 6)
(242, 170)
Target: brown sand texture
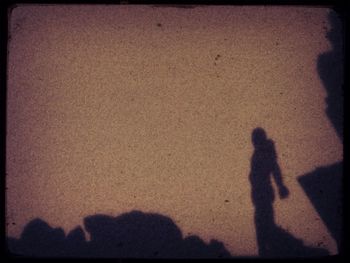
(117, 108)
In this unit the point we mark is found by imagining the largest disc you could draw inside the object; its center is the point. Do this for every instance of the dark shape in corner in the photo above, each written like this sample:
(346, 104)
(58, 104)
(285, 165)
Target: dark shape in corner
(38, 238)
(130, 235)
(330, 70)
(272, 240)
(323, 186)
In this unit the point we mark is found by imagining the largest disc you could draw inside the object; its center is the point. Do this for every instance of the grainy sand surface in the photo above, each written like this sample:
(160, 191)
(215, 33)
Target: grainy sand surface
(111, 109)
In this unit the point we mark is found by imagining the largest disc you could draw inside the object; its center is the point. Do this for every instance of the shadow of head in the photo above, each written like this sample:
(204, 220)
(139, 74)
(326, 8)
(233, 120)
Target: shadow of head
(259, 137)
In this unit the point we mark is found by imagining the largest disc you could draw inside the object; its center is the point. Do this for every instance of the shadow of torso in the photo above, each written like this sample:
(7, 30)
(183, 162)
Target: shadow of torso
(262, 164)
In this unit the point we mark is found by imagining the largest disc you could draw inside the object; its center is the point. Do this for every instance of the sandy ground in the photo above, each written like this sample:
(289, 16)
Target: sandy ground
(111, 109)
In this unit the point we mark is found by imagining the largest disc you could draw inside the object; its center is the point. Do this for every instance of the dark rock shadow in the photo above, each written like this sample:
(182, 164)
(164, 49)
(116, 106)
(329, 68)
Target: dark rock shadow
(323, 186)
(272, 240)
(330, 69)
(130, 235)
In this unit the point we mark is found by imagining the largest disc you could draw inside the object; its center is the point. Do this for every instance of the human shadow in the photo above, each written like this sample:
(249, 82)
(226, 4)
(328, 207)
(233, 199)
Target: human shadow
(130, 235)
(272, 240)
(323, 186)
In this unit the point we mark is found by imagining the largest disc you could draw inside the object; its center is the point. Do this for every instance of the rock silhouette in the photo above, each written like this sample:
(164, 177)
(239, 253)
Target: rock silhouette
(330, 69)
(324, 186)
(130, 235)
